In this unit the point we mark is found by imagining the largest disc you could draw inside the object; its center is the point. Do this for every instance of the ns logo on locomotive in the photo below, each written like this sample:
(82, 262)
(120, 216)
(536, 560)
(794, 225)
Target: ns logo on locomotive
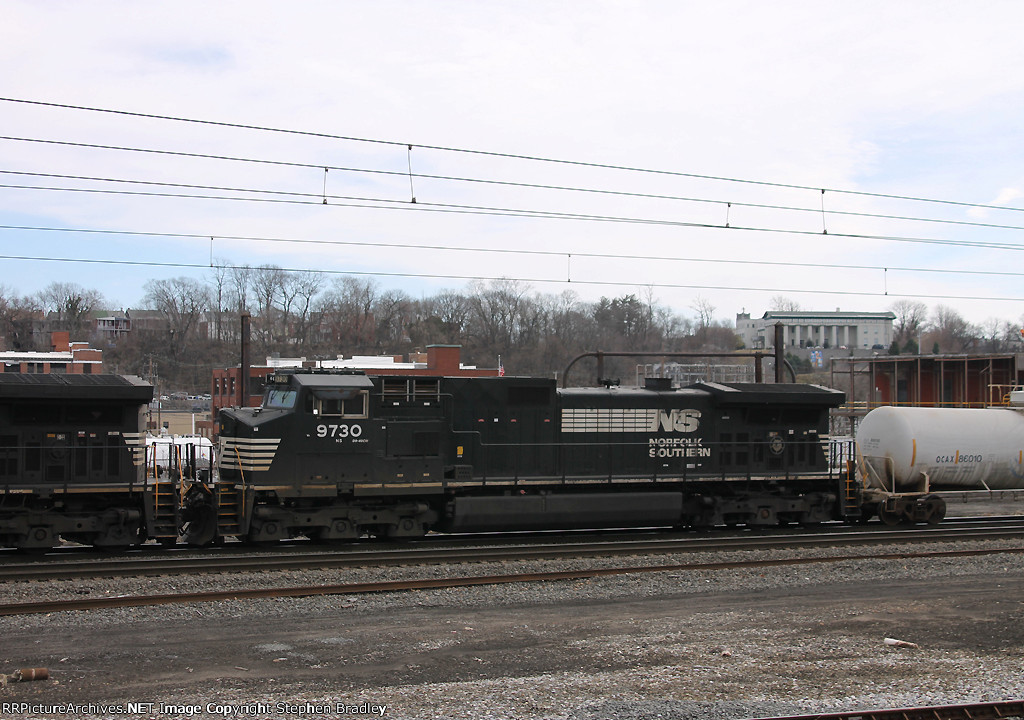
(340, 455)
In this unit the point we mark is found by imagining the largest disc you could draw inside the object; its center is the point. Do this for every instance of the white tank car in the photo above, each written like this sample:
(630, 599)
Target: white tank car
(904, 449)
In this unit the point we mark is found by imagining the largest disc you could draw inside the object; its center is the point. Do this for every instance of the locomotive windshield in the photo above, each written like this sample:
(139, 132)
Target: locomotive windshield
(281, 398)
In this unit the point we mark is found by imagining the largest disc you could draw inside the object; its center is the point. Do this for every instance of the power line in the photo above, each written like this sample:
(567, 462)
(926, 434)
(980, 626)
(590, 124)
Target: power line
(295, 198)
(513, 156)
(480, 181)
(492, 278)
(285, 197)
(519, 251)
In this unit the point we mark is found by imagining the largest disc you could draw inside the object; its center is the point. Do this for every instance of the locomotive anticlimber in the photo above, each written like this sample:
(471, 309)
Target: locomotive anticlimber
(339, 455)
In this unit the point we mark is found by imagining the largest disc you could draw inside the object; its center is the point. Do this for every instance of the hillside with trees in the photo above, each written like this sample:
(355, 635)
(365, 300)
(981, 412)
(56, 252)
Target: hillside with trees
(186, 327)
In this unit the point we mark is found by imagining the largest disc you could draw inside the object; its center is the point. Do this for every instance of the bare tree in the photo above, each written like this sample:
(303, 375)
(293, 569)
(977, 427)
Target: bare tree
(267, 285)
(240, 282)
(298, 294)
(16, 319)
(444, 318)
(182, 301)
(392, 313)
(705, 316)
(673, 328)
(220, 277)
(347, 308)
(781, 303)
(953, 333)
(497, 312)
(910, 319)
(70, 307)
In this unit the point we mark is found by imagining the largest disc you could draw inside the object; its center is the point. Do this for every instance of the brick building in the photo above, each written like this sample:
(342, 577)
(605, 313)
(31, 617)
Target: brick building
(65, 357)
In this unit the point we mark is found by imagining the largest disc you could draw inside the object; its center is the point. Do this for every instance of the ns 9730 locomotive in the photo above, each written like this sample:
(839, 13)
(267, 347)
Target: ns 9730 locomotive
(336, 456)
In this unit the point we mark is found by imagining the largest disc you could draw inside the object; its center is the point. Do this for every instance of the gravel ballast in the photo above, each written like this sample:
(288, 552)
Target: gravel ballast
(675, 644)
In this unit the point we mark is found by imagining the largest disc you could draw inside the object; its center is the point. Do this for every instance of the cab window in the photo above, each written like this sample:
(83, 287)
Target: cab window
(279, 398)
(341, 403)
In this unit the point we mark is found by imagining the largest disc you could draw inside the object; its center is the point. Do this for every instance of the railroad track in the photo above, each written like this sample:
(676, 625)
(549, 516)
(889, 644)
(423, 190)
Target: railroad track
(440, 583)
(975, 711)
(306, 557)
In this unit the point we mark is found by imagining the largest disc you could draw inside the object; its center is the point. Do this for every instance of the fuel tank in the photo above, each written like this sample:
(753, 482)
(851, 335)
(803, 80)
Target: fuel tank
(964, 448)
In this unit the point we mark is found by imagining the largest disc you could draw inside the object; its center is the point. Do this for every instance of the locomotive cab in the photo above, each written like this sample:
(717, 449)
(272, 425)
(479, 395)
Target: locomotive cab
(321, 442)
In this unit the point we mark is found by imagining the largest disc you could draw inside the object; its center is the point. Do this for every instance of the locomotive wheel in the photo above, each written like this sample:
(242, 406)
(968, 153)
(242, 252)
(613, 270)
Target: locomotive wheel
(38, 540)
(201, 526)
(405, 528)
(889, 517)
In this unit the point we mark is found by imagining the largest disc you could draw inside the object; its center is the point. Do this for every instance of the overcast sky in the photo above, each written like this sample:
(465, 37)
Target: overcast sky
(864, 100)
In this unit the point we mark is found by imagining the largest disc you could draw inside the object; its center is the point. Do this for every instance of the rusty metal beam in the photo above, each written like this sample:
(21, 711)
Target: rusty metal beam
(601, 355)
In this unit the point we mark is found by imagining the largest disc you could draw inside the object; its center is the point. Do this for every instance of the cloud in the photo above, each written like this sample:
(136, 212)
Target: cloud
(1005, 197)
(834, 95)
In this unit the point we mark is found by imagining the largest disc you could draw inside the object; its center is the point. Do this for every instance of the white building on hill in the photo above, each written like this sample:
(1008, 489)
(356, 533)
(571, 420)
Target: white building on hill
(854, 330)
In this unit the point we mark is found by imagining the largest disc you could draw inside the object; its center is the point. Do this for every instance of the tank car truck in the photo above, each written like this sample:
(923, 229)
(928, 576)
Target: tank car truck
(339, 455)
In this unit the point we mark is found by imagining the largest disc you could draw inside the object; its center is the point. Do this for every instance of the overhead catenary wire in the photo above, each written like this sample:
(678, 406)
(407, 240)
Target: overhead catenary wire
(515, 251)
(298, 198)
(242, 194)
(530, 158)
(494, 278)
(485, 181)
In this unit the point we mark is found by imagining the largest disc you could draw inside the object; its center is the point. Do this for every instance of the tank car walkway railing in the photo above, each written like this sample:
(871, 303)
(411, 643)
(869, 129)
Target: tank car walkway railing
(863, 407)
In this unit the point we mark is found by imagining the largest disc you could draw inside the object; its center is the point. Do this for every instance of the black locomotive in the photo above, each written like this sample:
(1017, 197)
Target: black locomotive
(335, 456)
(72, 451)
(339, 455)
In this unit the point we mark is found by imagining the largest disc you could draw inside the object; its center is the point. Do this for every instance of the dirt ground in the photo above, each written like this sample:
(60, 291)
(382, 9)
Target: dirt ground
(745, 643)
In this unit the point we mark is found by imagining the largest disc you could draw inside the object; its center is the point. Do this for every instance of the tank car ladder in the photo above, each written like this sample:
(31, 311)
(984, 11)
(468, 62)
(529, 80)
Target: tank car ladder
(850, 495)
(852, 499)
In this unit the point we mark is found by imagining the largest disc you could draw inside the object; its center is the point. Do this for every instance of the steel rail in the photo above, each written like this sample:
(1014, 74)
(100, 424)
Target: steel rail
(442, 583)
(305, 559)
(1004, 709)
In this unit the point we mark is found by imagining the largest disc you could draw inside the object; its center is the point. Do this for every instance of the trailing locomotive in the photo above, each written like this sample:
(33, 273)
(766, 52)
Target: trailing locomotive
(71, 461)
(338, 455)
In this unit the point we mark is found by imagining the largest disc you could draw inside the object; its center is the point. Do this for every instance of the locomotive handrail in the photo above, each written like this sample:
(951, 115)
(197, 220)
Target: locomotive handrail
(241, 470)
(601, 355)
